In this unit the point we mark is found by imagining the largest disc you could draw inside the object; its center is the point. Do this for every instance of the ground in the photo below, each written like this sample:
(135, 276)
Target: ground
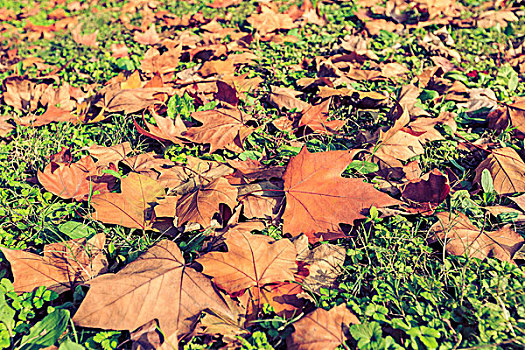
(262, 174)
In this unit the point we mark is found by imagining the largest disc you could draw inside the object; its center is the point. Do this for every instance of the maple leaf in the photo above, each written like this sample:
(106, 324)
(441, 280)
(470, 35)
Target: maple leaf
(269, 21)
(107, 156)
(130, 208)
(149, 37)
(5, 127)
(132, 100)
(463, 238)
(224, 3)
(22, 94)
(282, 296)
(261, 199)
(119, 50)
(72, 181)
(507, 170)
(318, 199)
(167, 129)
(315, 117)
(63, 265)
(321, 329)
(251, 261)
(323, 262)
(426, 193)
(155, 62)
(286, 97)
(222, 128)
(87, 39)
(158, 285)
(200, 205)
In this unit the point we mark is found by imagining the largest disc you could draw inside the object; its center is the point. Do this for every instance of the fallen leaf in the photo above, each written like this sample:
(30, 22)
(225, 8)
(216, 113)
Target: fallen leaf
(318, 199)
(282, 97)
(167, 129)
(149, 37)
(132, 100)
(158, 285)
(251, 261)
(130, 208)
(63, 266)
(426, 193)
(200, 205)
(222, 128)
(72, 181)
(269, 21)
(322, 329)
(5, 127)
(22, 94)
(507, 170)
(461, 237)
(109, 155)
(119, 50)
(315, 117)
(325, 264)
(86, 39)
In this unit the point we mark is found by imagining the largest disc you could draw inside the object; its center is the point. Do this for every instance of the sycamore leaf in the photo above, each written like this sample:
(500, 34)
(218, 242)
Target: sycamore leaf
(507, 170)
(132, 100)
(269, 21)
(86, 39)
(318, 199)
(426, 193)
(149, 37)
(22, 94)
(463, 238)
(72, 181)
(119, 50)
(109, 155)
(325, 265)
(321, 329)
(167, 129)
(158, 285)
(133, 206)
(315, 117)
(251, 261)
(282, 296)
(63, 265)
(283, 97)
(200, 205)
(5, 127)
(222, 128)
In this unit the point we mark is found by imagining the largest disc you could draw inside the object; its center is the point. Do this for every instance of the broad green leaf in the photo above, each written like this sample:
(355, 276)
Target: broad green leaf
(46, 332)
(74, 230)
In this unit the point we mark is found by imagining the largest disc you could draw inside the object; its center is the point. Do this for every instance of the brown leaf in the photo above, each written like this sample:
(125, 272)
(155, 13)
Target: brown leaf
(200, 205)
(315, 117)
(158, 285)
(167, 129)
(318, 199)
(507, 170)
(463, 238)
(119, 50)
(261, 199)
(282, 97)
(221, 68)
(22, 94)
(165, 63)
(63, 266)
(426, 193)
(224, 3)
(72, 181)
(325, 265)
(251, 261)
(132, 100)
(222, 128)
(5, 127)
(282, 296)
(321, 329)
(375, 26)
(87, 39)
(109, 155)
(269, 21)
(149, 37)
(130, 208)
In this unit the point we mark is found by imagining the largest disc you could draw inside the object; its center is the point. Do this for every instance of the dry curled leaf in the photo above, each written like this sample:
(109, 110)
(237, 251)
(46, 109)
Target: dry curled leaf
(321, 329)
(63, 265)
(507, 170)
(461, 237)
